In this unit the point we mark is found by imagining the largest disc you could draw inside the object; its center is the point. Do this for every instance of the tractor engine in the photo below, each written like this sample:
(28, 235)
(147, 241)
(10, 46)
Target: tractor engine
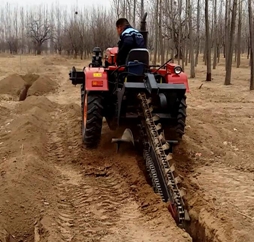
(97, 57)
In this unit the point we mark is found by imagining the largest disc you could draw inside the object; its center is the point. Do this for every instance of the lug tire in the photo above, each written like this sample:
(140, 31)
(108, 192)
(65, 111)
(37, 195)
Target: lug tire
(92, 118)
(82, 94)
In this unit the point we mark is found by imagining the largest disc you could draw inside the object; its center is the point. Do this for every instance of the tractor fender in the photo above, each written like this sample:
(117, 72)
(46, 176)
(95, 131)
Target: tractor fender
(178, 79)
(96, 79)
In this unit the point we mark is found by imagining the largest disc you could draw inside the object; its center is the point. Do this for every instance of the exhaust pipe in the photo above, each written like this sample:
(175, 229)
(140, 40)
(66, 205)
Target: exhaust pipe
(143, 29)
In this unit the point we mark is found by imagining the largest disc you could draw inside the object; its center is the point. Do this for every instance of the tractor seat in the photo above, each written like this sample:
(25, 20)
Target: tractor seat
(137, 61)
(139, 54)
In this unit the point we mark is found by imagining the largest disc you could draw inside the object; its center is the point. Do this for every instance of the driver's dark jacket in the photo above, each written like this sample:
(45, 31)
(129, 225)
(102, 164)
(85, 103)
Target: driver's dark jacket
(129, 39)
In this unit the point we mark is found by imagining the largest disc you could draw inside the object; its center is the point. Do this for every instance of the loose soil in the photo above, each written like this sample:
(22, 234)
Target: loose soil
(41, 86)
(12, 85)
(19, 87)
(53, 189)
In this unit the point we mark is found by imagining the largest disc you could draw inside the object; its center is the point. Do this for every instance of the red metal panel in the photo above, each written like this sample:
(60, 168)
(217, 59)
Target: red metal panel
(178, 79)
(112, 68)
(96, 79)
(171, 77)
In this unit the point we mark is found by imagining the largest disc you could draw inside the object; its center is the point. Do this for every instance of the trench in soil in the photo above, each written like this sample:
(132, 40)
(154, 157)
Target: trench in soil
(58, 151)
(203, 225)
(199, 231)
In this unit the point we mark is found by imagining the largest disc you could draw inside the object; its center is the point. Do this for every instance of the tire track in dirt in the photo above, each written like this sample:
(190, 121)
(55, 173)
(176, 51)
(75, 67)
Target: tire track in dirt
(87, 206)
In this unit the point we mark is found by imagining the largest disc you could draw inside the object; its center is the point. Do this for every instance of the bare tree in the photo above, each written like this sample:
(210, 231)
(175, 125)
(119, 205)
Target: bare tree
(208, 43)
(156, 32)
(251, 25)
(215, 34)
(39, 32)
(179, 40)
(192, 62)
(198, 33)
(162, 50)
(230, 45)
(239, 33)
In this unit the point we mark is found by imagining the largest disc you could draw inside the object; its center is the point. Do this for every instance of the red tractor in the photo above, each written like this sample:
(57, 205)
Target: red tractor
(141, 95)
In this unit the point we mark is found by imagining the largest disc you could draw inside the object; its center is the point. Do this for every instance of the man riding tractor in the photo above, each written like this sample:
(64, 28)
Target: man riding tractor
(130, 38)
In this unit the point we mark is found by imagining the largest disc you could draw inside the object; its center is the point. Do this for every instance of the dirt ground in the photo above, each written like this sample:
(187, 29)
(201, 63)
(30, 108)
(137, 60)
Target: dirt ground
(52, 189)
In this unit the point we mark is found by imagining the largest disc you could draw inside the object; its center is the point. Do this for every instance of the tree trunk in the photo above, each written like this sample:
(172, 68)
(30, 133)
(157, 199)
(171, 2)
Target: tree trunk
(230, 45)
(185, 49)
(208, 44)
(38, 48)
(198, 34)
(179, 44)
(134, 13)
(215, 34)
(227, 29)
(248, 54)
(251, 45)
(192, 61)
(156, 32)
(238, 53)
(162, 51)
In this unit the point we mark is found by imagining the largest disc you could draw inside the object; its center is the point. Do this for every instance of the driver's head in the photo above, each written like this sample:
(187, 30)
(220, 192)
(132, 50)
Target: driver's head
(121, 24)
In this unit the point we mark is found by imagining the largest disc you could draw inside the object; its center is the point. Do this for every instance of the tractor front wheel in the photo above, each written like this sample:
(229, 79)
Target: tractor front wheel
(92, 115)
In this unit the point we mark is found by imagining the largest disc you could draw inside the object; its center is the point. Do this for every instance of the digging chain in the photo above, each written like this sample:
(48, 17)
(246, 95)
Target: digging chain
(152, 173)
(161, 148)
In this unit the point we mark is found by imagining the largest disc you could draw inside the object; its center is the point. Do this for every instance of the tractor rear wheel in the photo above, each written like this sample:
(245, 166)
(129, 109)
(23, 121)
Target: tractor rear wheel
(92, 115)
(82, 94)
(181, 118)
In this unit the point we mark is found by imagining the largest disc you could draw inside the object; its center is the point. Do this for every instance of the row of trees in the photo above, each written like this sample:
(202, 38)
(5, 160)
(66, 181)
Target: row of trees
(55, 29)
(182, 29)
(185, 28)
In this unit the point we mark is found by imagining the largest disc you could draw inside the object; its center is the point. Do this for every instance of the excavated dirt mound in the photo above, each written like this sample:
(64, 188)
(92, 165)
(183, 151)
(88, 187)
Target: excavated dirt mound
(11, 85)
(27, 180)
(36, 101)
(18, 88)
(41, 86)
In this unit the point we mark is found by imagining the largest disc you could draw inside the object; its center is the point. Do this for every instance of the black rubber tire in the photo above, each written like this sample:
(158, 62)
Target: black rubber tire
(181, 119)
(82, 94)
(91, 130)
